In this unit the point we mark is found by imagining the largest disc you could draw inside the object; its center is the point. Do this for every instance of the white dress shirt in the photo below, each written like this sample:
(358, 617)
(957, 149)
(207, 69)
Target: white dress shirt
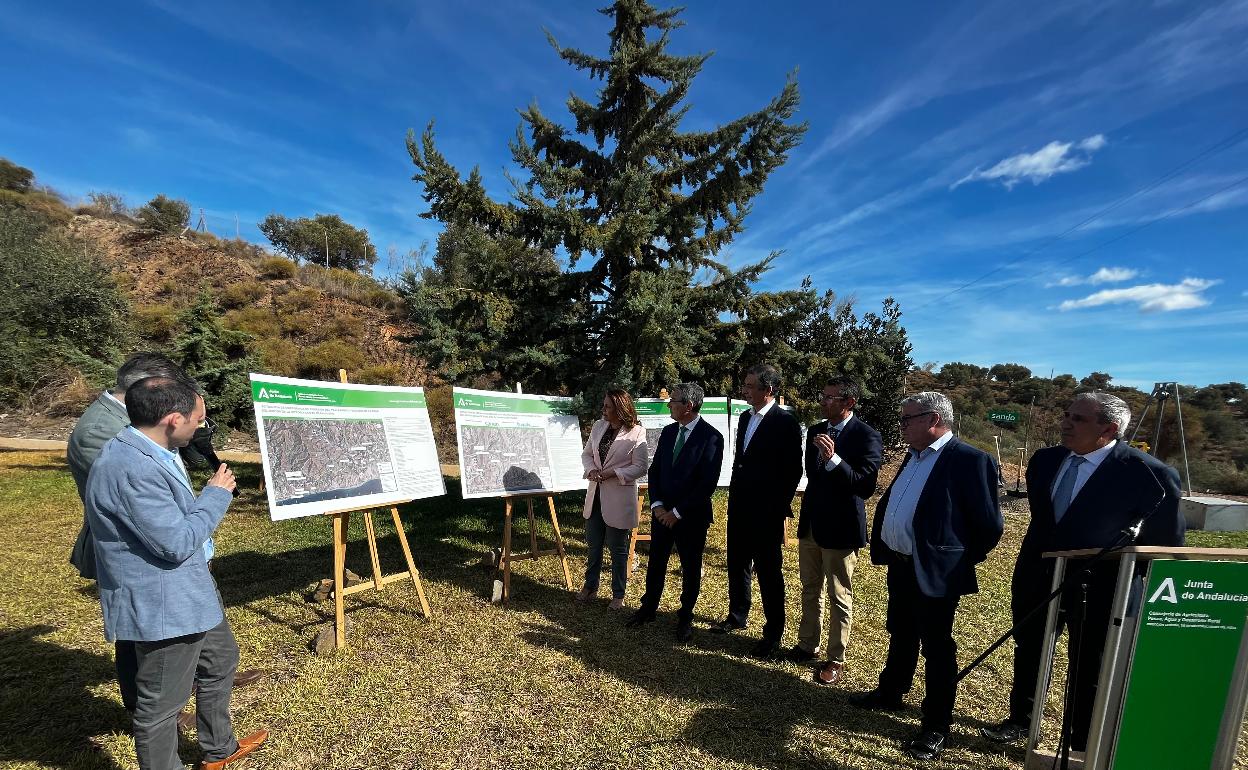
(688, 432)
(1092, 461)
(835, 459)
(756, 416)
(898, 529)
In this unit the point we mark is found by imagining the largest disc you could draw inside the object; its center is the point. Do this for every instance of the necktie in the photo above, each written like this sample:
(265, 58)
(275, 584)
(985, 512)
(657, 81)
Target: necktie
(680, 442)
(834, 432)
(1066, 488)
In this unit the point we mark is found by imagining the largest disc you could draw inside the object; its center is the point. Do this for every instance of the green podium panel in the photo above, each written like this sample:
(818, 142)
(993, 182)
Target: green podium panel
(1187, 645)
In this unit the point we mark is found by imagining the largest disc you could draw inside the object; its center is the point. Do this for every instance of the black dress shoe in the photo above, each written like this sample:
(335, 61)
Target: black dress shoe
(684, 631)
(798, 655)
(765, 650)
(639, 619)
(725, 626)
(874, 700)
(1006, 732)
(927, 745)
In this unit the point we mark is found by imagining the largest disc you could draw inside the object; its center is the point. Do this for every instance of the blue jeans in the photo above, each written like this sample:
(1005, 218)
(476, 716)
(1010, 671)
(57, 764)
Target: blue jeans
(598, 532)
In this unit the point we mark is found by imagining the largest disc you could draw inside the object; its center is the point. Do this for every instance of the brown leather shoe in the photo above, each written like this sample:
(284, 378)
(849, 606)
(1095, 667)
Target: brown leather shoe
(186, 719)
(250, 676)
(830, 673)
(245, 747)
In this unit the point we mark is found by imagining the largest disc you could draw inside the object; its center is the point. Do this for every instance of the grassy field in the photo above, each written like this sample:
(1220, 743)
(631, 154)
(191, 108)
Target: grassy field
(545, 683)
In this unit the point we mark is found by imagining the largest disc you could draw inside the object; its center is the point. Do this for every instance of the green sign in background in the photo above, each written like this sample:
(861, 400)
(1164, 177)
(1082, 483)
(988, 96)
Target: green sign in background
(1185, 654)
(1001, 415)
(266, 392)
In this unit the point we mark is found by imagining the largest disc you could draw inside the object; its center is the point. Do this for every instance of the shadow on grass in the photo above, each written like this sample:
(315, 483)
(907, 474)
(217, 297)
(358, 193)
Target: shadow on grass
(48, 713)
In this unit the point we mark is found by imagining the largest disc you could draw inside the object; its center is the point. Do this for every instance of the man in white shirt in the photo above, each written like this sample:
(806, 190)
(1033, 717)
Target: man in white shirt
(939, 518)
(765, 474)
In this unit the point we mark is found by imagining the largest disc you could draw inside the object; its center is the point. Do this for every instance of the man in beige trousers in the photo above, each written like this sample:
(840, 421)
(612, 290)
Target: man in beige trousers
(843, 456)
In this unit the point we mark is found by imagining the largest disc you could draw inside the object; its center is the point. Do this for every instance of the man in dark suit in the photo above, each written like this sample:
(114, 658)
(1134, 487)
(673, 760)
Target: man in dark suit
(939, 518)
(843, 456)
(765, 474)
(683, 474)
(1083, 494)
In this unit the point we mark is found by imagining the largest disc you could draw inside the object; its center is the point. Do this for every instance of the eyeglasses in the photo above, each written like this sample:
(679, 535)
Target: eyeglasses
(677, 401)
(207, 425)
(906, 418)
(825, 397)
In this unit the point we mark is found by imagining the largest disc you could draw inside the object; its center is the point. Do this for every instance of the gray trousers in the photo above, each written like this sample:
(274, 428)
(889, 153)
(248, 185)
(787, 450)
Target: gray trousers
(166, 671)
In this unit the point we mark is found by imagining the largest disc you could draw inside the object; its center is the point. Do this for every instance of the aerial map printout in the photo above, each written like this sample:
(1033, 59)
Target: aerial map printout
(653, 415)
(514, 443)
(331, 447)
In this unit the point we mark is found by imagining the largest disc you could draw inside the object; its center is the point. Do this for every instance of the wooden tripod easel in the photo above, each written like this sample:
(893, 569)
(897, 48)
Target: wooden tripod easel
(642, 515)
(341, 520)
(505, 561)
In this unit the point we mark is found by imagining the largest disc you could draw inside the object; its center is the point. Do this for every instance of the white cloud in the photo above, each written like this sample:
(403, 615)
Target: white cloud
(1035, 167)
(1103, 275)
(1151, 297)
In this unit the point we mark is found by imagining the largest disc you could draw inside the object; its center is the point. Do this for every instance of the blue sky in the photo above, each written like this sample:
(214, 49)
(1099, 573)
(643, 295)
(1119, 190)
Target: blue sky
(949, 144)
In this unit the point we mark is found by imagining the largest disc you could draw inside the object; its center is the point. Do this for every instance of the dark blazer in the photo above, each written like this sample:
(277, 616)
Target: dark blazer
(765, 476)
(1127, 485)
(956, 523)
(834, 508)
(688, 483)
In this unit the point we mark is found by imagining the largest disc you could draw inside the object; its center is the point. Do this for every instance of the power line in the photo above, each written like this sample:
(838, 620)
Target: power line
(1224, 144)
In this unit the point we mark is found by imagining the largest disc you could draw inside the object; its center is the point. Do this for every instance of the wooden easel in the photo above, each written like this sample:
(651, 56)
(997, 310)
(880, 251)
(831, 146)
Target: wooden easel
(505, 561)
(642, 513)
(341, 520)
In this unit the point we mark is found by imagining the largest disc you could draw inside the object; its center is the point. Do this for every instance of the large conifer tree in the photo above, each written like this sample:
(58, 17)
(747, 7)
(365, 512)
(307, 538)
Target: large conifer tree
(641, 207)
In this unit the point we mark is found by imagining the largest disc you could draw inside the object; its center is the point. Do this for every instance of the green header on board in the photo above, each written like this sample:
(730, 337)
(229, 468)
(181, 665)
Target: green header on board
(264, 392)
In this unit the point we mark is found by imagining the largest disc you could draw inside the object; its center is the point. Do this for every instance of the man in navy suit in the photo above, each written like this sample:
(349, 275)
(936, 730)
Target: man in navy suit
(843, 456)
(939, 518)
(683, 474)
(765, 474)
(1082, 494)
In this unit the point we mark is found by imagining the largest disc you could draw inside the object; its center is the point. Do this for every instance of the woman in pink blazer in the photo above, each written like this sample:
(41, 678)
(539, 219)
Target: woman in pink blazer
(614, 458)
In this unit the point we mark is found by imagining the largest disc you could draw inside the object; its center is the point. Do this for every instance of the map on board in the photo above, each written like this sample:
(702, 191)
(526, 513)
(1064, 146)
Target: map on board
(504, 459)
(328, 459)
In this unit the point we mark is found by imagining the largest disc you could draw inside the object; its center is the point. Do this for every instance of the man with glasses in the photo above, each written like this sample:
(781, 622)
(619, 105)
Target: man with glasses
(1082, 494)
(156, 591)
(104, 419)
(765, 474)
(843, 456)
(939, 518)
(683, 474)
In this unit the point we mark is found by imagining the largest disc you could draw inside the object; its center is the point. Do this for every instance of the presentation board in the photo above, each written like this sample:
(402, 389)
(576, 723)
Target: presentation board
(516, 443)
(328, 446)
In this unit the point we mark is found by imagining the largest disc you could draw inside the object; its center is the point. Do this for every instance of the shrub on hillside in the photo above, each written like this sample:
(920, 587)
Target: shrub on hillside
(1216, 477)
(106, 205)
(382, 374)
(59, 307)
(258, 322)
(47, 206)
(343, 328)
(164, 215)
(279, 356)
(13, 177)
(241, 294)
(300, 299)
(324, 359)
(242, 249)
(158, 323)
(278, 267)
(349, 285)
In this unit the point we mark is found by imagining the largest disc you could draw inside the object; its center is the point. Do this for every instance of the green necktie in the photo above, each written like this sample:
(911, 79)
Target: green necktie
(680, 442)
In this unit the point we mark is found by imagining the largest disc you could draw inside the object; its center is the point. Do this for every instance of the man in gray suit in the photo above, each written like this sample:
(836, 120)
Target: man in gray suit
(104, 419)
(150, 532)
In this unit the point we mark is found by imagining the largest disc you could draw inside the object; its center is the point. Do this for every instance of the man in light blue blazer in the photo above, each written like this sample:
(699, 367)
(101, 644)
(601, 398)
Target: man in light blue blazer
(150, 533)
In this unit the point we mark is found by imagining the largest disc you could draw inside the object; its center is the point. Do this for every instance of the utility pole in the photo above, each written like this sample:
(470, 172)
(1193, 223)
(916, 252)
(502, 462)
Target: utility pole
(237, 235)
(327, 249)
